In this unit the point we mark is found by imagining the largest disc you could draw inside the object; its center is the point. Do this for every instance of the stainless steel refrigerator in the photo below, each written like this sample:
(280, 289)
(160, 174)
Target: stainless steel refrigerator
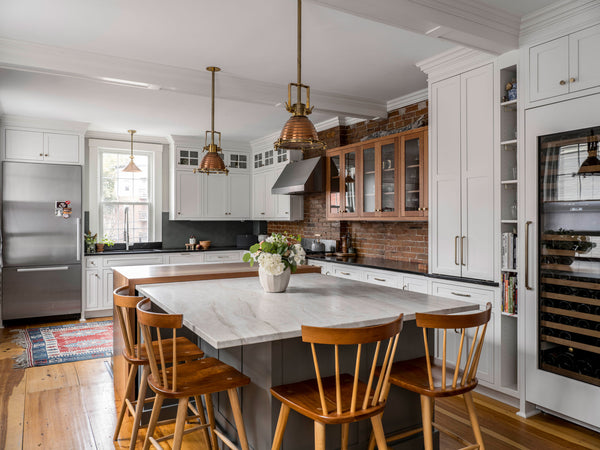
(41, 240)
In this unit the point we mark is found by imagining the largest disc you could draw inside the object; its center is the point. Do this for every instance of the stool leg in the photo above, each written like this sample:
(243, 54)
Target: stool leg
(237, 416)
(474, 422)
(180, 422)
(200, 409)
(319, 436)
(427, 415)
(345, 430)
(284, 413)
(378, 432)
(372, 442)
(158, 401)
(130, 383)
(139, 407)
(211, 420)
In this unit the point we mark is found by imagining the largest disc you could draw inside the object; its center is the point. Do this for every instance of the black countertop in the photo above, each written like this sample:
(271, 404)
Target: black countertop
(396, 266)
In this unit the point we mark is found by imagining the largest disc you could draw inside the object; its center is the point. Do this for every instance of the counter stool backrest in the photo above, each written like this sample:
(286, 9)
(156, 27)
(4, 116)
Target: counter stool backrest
(462, 322)
(148, 320)
(356, 336)
(124, 305)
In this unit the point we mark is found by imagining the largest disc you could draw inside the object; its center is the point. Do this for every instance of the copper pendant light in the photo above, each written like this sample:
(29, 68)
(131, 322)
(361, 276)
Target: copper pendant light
(212, 161)
(131, 167)
(591, 165)
(299, 133)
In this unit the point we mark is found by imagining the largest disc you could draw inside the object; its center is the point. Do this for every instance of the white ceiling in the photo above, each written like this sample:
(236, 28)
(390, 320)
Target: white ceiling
(353, 64)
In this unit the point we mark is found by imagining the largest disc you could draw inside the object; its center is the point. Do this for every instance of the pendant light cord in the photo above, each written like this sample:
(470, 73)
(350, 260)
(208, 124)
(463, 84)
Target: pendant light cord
(299, 50)
(212, 111)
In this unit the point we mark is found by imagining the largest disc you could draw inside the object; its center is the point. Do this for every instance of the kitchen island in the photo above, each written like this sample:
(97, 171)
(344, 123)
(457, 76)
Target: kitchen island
(259, 334)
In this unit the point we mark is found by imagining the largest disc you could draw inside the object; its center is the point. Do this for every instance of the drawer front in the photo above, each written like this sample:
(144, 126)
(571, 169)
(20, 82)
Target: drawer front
(381, 278)
(93, 262)
(223, 257)
(468, 294)
(325, 267)
(185, 258)
(133, 260)
(415, 284)
(344, 271)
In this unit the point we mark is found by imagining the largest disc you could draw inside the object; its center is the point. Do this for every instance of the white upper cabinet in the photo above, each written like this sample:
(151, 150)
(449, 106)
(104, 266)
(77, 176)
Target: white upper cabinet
(216, 195)
(40, 146)
(462, 175)
(565, 65)
(228, 196)
(188, 196)
(239, 195)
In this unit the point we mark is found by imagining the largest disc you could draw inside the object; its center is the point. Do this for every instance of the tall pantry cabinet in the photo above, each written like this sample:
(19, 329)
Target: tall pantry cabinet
(462, 174)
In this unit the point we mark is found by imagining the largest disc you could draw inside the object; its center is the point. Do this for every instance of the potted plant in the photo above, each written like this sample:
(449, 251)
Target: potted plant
(90, 242)
(278, 256)
(106, 241)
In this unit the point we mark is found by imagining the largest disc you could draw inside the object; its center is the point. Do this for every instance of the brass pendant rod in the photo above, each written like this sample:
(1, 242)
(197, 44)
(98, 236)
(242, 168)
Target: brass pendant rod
(131, 133)
(212, 111)
(299, 50)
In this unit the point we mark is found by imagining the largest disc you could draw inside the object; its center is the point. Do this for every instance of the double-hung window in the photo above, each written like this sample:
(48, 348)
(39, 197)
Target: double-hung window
(113, 191)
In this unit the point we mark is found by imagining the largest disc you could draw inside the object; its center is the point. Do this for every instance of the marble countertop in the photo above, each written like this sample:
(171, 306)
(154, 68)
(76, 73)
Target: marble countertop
(232, 312)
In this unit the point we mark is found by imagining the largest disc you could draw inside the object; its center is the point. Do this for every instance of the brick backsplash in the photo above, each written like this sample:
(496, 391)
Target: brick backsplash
(401, 241)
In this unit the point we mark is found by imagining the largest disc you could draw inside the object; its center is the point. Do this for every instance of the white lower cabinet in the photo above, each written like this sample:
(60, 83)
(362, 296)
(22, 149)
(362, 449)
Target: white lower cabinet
(382, 278)
(347, 271)
(93, 289)
(185, 258)
(486, 370)
(415, 284)
(224, 256)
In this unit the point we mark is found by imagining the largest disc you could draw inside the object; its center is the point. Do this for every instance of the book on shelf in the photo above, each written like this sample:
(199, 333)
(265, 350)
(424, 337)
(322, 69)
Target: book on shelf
(509, 251)
(509, 293)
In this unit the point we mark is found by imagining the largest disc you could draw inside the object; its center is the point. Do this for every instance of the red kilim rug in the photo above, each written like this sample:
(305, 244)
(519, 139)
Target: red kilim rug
(64, 343)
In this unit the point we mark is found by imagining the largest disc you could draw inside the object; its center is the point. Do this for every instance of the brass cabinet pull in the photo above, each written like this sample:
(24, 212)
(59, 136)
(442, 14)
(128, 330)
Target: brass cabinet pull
(462, 250)
(529, 222)
(456, 250)
(562, 82)
(379, 279)
(404, 287)
(572, 80)
(344, 273)
(460, 295)
(41, 154)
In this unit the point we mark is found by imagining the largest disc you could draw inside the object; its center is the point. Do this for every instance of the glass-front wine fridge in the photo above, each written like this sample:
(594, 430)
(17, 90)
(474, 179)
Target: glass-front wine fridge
(568, 249)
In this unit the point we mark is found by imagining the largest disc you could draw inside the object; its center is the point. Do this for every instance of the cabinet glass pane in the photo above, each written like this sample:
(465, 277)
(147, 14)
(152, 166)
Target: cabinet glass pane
(350, 181)
(412, 183)
(334, 185)
(388, 178)
(569, 255)
(369, 179)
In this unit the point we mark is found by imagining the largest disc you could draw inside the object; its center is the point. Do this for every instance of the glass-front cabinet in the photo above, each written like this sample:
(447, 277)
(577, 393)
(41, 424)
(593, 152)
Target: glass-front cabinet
(414, 175)
(379, 179)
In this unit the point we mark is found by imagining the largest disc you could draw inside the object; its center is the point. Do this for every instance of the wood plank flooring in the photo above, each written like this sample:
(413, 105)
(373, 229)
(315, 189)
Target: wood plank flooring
(72, 406)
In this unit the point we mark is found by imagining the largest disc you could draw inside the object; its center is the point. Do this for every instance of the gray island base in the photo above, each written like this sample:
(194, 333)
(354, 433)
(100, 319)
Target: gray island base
(259, 334)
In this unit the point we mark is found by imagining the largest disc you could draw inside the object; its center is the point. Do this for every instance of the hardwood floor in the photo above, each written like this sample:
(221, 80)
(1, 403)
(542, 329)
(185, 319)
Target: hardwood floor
(72, 406)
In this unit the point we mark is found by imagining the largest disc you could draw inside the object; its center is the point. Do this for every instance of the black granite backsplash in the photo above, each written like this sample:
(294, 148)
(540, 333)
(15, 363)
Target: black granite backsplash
(175, 233)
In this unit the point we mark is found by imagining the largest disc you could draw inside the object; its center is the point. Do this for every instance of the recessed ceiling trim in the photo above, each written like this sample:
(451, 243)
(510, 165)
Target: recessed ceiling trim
(139, 139)
(408, 99)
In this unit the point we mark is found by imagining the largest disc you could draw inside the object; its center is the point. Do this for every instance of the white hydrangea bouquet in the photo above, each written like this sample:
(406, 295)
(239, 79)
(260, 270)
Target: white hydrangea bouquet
(277, 253)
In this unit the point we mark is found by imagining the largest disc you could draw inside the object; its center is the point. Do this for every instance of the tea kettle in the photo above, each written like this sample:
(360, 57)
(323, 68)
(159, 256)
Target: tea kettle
(317, 245)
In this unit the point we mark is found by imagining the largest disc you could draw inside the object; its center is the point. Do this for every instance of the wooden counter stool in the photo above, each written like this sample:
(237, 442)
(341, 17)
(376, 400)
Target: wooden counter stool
(342, 398)
(184, 380)
(135, 356)
(431, 379)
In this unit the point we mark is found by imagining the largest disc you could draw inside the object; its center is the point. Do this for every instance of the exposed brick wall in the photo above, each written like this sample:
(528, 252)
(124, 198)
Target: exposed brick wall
(401, 241)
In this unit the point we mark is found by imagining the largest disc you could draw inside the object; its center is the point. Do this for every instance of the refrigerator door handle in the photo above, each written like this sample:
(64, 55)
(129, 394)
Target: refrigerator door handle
(79, 239)
(43, 269)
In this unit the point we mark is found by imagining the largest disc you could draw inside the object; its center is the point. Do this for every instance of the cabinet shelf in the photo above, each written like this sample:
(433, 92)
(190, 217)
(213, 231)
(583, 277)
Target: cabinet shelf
(510, 142)
(510, 105)
(509, 314)
(506, 182)
(509, 270)
(413, 166)
(510, 221)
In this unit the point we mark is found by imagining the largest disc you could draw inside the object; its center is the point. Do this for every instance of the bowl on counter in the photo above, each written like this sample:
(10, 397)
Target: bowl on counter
(204, 244)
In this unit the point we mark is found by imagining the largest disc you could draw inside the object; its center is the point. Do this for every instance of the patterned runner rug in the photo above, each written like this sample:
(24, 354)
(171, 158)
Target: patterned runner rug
(64, 343)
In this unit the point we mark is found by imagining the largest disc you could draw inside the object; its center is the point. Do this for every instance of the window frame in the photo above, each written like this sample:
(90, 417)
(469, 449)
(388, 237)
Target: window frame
(98, 147)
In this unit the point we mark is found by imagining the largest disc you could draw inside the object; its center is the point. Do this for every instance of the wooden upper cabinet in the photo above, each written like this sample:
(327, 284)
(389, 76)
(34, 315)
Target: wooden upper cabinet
(380, 179)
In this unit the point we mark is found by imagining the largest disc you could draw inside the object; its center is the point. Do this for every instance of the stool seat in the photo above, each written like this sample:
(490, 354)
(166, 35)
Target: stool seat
(412, 375)
(186, 351)
(303, 397)
(204, 376)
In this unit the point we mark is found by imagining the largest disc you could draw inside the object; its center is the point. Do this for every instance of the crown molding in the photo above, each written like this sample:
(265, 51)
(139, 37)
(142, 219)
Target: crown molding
(452, 62)
(352, 121)
(19, 55)
(43, 124)
(124, 145)
(327, 124)
(558, 19)
(105, 135)
(408, 99)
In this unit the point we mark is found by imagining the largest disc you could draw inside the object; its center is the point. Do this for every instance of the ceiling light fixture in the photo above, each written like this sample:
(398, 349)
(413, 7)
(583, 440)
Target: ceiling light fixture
(299, 133)
(131, 167)
(591, 165)
(212, 161)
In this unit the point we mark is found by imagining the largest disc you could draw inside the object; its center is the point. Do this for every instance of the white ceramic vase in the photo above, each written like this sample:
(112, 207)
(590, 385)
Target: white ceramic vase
(274, 283)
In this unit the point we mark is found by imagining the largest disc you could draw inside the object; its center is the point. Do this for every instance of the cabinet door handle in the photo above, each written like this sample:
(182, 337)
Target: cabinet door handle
(460, 295)
(572, 80)
(41, 154)
(379, 279)
(262, 214)
(529, 288)
(46, 154)
(404, 287)
(344, 273)
(462, 250)
(456, 250)
(562, 82)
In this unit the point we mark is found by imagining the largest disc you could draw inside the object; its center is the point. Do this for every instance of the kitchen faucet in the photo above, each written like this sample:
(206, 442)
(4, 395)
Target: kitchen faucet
(126, 233)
